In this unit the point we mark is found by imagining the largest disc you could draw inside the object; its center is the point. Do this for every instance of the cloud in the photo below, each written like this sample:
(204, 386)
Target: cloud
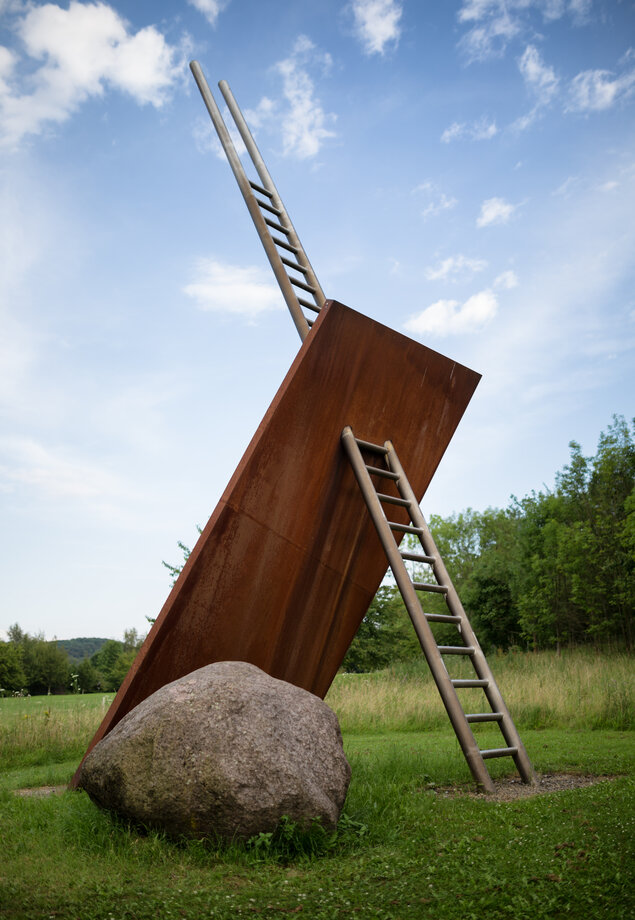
(481, 130)
(493, 24)
(240, 290)
(304, 124)
(84, 49)
(538, 77)
(506, 280)
(29, 463)
(597, 90)
(206, 138)
(211, 9)
(455, 267)
(438, 201)
(495, 211)
(377, 24)
(542, 83)
(449, 317)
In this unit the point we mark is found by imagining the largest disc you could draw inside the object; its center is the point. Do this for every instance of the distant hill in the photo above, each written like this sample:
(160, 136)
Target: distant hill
(78, 649)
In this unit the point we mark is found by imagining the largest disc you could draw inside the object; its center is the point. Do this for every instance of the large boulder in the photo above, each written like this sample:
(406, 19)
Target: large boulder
(225, 751)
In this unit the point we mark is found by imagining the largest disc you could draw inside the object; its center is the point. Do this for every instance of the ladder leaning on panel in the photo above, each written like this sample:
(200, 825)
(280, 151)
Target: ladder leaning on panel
(267, 212)
(392, 472)
(297, 279)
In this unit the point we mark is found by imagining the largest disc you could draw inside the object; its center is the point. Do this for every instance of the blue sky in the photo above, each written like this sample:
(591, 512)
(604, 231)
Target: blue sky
(463, 172)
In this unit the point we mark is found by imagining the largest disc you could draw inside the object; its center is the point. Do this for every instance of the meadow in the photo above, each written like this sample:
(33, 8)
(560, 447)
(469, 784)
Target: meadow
(413, 842)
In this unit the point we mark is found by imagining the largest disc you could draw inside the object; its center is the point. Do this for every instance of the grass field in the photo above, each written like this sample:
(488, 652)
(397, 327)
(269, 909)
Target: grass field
(406, 846)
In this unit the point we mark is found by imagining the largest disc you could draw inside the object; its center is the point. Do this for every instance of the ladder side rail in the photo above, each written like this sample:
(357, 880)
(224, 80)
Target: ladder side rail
(413, 606)
(269, 184)
(481, 666)
(266, 239)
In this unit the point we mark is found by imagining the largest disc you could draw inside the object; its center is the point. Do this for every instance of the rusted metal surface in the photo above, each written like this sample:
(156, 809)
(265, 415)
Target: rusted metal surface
(289, 561)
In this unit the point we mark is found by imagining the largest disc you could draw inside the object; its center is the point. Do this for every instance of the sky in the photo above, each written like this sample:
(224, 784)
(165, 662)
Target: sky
(461, 171)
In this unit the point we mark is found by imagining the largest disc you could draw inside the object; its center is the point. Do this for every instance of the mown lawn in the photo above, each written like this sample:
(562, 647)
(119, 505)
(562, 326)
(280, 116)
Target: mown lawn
(406, 846)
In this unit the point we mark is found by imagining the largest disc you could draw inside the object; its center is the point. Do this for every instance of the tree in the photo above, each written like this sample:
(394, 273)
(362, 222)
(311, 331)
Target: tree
(12, 676)
(87, 676)
(46, 666)
(385, 634)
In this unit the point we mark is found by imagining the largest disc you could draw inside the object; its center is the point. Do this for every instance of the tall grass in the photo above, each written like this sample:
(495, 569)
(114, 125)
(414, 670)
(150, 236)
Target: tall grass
(40, 729)
(578, 689)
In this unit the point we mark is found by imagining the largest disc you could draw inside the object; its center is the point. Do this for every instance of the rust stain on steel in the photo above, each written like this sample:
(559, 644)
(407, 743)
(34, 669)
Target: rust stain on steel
(289, 561)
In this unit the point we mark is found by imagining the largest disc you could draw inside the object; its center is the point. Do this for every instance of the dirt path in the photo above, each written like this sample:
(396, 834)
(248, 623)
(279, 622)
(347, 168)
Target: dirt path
(507, 790)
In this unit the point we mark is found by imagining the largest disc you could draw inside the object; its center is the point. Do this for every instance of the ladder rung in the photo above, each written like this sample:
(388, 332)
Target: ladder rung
(393, 500)
(301, 284)
(309, 306)
(285, 245)
(456, 649)
(417, 557)
(484, 716)
(469, 682)
(387, 474)
(405, 528)
(276, 226)
(499, 752)
(368, 445)
(441, 618)
(295, 265)
(309, 321)
(259, 188)
(268, 207)
(434, 589)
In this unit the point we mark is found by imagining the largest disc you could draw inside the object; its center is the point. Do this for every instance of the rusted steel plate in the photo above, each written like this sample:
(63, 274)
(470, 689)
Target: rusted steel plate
(289, 561)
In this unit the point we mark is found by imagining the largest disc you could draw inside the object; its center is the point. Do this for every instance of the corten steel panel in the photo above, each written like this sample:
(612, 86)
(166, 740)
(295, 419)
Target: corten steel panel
(289, 561)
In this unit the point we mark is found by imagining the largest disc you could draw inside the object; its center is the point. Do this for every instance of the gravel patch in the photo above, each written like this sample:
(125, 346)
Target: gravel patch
(511, 788)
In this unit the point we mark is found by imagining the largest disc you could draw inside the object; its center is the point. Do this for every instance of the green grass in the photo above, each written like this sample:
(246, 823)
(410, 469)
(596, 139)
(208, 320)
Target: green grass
(404, 848)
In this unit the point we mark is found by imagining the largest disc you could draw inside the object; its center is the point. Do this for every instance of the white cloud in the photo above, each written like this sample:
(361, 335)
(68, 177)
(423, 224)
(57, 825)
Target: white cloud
(377, 23)
(506, 280)
(211, 9)
(437, 201)
(84, 49)
(304, 124)
(495, 211)
(481, 130)
(542, 83)
(455, 267)
(493, 24)
(449, 317)
(494, 27)
(56, 475)
(233, 289)
(539, 78)
(456, 130)
(596, 90)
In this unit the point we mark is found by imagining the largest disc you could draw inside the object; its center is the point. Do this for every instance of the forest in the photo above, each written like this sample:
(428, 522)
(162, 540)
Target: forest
(555, 568)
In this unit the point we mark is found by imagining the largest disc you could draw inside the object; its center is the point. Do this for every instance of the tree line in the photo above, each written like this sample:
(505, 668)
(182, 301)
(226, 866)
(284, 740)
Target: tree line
(31, 665)
(554, 568)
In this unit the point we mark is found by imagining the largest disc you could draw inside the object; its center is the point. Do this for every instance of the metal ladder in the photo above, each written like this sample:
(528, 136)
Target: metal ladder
(392, 472)
(267, 212)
